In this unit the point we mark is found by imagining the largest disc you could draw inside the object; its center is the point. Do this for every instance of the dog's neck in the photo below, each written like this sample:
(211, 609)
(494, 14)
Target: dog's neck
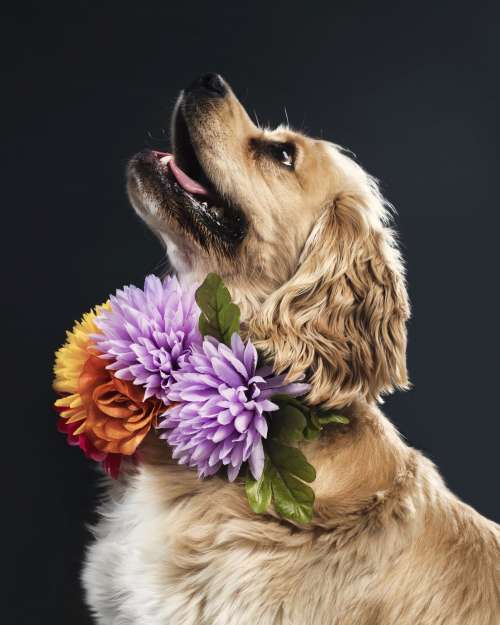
(361, 468)
(358, 466)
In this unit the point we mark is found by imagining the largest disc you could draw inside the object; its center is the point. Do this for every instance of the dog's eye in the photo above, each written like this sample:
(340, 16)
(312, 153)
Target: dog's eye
(284, 153)
(287, 159)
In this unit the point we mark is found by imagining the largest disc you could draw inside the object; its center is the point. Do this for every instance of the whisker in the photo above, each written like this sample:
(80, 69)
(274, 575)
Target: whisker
(286, 116)
(162, 267)
(152, 137)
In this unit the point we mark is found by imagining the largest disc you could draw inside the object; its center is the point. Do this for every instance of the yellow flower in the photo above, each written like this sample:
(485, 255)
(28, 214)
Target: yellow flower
(106, 417)
(70, 361)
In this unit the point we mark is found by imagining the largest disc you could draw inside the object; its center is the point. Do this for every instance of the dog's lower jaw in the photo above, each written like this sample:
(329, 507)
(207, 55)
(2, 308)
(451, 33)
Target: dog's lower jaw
(179, 258)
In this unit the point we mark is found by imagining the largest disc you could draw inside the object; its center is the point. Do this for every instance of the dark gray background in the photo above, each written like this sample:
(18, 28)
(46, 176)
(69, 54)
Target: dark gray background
(411, 88)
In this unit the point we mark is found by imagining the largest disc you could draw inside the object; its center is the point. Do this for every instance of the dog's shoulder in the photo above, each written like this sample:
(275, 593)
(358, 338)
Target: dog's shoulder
(170, 547)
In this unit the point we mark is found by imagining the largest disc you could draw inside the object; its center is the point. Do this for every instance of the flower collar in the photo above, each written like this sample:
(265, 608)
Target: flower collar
(172, 359)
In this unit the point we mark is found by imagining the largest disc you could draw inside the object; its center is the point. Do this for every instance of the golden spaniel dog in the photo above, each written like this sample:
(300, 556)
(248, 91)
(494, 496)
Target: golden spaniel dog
(301, 236)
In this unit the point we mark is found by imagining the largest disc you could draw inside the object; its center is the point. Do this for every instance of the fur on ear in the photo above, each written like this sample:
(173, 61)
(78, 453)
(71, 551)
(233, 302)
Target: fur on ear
(341, 318)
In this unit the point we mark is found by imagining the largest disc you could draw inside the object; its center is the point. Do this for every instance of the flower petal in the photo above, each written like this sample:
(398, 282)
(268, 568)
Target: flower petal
(232, 472)
(250, 357)
(256, 460)
(226, 373)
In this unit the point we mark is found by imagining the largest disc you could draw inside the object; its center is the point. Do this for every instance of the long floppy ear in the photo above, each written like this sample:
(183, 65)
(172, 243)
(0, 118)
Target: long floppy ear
(341, 317)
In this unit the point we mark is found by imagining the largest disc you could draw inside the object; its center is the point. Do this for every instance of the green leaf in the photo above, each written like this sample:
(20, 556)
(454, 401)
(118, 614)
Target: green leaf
(292, 498)
(314, 420)
(229, 321)
(288, 470)
(206, 328)
(290, 459)
(332, 418)
(282, 398)
(317, 419)
(313, 428)
(311, 433)
(288, 423)
(259, 492)
(207, 293)
(219, 317)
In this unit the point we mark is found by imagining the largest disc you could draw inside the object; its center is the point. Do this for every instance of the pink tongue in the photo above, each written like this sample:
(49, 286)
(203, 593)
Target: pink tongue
(187, 183)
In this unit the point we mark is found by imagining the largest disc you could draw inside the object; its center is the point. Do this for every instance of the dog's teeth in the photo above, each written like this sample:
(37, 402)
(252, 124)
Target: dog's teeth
(204, 204)
(165, 159)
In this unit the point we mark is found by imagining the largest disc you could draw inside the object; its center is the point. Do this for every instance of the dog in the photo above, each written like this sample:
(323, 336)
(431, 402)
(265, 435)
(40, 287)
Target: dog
(301, 236)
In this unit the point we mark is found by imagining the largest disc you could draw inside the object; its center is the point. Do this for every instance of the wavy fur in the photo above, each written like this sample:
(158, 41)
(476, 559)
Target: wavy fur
(342, 315)
(321, 286)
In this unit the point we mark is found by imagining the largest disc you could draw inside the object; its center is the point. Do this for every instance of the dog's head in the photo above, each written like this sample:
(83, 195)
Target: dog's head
(297, 230)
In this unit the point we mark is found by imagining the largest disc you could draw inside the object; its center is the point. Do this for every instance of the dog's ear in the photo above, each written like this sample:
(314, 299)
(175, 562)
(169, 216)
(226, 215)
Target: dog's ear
(341, 319)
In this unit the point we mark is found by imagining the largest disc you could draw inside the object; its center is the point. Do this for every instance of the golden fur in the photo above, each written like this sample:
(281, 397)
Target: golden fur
(321, 286)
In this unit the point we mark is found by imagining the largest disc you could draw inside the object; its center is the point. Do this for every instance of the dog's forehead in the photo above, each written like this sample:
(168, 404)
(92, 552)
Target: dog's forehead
(315, 151)
(285, 133)
(320, 157)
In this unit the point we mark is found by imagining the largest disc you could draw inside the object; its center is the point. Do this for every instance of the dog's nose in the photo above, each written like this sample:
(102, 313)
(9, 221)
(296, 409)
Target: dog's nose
(213, 84)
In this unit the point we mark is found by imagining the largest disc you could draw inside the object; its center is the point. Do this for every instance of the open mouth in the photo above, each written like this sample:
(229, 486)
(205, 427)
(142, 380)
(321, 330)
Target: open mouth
(185, 191)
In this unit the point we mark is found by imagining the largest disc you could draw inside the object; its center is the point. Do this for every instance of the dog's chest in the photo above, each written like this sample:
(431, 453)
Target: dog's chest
(163, 559)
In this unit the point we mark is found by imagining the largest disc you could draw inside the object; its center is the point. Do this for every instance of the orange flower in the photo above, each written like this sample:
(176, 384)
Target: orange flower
(106, 417)
(117, 418)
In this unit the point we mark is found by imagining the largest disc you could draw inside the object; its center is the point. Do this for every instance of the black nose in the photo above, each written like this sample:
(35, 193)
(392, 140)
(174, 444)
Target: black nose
(213, 84)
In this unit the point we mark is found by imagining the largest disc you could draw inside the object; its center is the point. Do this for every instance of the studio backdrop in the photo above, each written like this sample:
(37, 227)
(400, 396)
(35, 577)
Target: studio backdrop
(410, 88)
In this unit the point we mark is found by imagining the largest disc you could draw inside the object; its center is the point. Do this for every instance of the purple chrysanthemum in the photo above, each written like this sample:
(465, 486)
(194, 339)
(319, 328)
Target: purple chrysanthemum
(149, 332)
(220, 417)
